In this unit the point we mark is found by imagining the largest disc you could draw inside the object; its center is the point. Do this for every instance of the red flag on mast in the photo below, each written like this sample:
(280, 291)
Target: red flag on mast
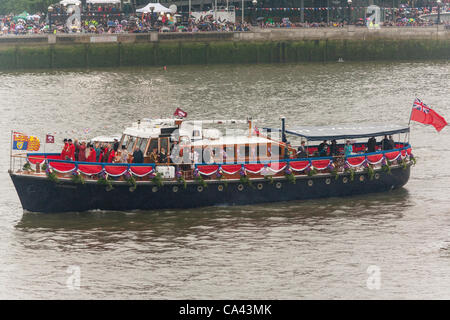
(424, 114)
(180, 113)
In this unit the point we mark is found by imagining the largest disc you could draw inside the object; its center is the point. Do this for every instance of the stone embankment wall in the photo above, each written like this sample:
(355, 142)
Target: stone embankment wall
(260, 46)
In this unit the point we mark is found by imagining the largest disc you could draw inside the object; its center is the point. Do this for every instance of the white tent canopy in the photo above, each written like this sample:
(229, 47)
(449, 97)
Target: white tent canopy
(103, 1)
(70, 2)
(157, 7)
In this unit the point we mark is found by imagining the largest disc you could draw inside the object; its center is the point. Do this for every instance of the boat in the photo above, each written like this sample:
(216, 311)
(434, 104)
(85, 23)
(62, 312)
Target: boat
(209, 166)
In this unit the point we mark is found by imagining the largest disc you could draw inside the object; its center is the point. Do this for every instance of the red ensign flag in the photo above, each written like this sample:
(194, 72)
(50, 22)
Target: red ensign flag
(180, 113)
(424, 114)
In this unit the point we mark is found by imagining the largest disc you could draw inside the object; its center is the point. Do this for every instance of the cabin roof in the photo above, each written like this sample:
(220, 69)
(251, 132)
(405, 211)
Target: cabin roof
(230, 140)
(344, 131)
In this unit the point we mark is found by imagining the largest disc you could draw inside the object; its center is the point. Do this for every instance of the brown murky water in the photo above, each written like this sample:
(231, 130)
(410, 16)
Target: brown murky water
(309, 249)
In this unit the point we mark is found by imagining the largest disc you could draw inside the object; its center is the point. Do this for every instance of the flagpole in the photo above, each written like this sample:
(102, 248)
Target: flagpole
(411, 113)
(10, 151)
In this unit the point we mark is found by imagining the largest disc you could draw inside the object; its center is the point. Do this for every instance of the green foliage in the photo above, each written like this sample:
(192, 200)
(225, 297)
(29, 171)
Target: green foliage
(201, 181)
(290, 177)
(246, 180)
(312, 172)
(413, 160)
(44, 166)
(18, 6)
(351, 172)
(27, 167)
(78, 179)
(52, 176)
(131, 182)
(183, 181)
(157, 179)
(105, 182)
(370, 172)
(269, 178)
(387, 168)
(335, 174)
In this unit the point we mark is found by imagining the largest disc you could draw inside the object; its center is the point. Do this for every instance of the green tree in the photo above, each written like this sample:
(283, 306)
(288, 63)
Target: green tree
(18, 6)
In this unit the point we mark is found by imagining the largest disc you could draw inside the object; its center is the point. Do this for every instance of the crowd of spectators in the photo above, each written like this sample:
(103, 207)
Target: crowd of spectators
(109, 19)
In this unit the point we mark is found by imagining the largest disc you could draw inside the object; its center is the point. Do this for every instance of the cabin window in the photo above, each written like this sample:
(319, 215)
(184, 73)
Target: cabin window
(208, 155)
(141, 144)
(153, 145)
(240, 152)
(130, 145)
(228, 154)
(262, 150)
(196, 133)
(164, 143)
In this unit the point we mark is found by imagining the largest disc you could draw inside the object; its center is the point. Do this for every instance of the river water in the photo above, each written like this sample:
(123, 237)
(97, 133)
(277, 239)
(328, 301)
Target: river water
(379, 246)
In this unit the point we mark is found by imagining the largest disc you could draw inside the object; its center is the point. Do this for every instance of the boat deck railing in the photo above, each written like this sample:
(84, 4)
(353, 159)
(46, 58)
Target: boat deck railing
(50, 164)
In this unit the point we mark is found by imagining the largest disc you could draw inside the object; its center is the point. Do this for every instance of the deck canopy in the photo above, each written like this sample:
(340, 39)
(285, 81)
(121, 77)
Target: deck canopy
(343, 131)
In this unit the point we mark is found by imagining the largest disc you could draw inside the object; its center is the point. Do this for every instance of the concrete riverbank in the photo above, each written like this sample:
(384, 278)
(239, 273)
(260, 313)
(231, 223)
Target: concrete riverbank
(260, 46)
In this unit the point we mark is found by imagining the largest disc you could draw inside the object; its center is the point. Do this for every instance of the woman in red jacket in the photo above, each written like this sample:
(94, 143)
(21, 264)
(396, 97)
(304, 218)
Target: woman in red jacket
(92, 154)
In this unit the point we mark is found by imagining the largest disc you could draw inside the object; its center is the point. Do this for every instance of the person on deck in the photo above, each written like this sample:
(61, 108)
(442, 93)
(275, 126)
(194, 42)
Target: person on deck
(77, 150)
(98, 150)
(391, 143)
(105, 154)
(324, 151)
(334, 151)
(111, 156)
(82, 151)
(65, 150)
(348, 149)
(322, 146)
(138, 157)
(71, 151)
(123, 155)
(385, 143)
(92, 157)
(371, 145)
(162, 156)
(301, 150)
(154, 156)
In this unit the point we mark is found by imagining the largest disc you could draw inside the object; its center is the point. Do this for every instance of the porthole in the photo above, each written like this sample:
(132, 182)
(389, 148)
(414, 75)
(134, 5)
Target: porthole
(361, 178)
(278, 185)
(240, 187)
(327, 180)
(155, 189)
(345, 180)
(220, 187)
(175, 189)
(199, 188)
(259, 186)
(310, 183)
(377, 176)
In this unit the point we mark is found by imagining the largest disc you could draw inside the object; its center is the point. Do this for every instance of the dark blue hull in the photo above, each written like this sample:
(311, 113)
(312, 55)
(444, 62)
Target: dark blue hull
(38, 194)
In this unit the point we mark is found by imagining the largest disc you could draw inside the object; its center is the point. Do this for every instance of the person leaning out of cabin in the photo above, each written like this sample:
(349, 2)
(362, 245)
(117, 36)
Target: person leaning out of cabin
(154, 156)
(138, 157)
(162, 158)
(348, 148)
(372, 145)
